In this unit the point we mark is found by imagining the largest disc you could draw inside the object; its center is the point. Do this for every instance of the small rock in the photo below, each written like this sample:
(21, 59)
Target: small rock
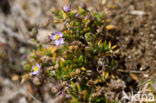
(137, 12)
(22, 100)
(43, 35)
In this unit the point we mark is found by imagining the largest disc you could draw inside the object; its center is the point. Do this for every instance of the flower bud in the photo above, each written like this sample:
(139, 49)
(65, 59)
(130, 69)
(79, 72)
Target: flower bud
(54, 89)
(66, 8)
(33, 33)
(83, 6)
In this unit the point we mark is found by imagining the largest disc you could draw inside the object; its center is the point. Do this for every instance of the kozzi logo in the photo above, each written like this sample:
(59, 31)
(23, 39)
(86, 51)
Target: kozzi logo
(144, 97)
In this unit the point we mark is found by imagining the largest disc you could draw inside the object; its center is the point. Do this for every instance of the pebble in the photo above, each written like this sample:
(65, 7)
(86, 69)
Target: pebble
(141, 33)
(146, 75)
(129, 56)
(141, 68)
(154, 42)
(137, 12)
(22, 100)
(43, 35)
(151, 35)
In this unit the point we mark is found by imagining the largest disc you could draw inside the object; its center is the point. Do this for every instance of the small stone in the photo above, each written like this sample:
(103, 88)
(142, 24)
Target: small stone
(129, 56)
(141, 68)
(36, 81)
(151, 35)
(22, 100)
(43, 35)
(54, 89)
(146, 75)
(15, 77)
(154, 42)
(141, 33)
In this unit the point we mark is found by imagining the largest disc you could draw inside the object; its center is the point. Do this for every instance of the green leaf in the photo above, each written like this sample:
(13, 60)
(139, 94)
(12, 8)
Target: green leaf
(79, 88)
(74, 86)
(72, 94)
(143, 83)
(81, 11)
(81, 58)
(33, 39)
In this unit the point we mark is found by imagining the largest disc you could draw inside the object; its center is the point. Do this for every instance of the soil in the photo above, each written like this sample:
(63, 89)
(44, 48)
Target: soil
(135, 23)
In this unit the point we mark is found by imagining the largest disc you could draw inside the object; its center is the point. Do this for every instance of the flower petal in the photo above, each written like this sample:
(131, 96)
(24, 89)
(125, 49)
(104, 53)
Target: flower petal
(57, 42)
(61, 41)
(33, 67)
(60, 34)
(52, 37)
(38, 65)
(56, 32)
(35, 73)
(66, 8)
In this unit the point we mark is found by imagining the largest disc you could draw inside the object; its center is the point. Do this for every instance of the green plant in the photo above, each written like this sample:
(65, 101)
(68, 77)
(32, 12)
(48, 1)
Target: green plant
(80, 58)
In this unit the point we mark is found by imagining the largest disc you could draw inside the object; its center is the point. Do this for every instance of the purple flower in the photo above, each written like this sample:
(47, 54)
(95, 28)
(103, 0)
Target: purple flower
(57, 37)
(66, 8)
(36, 69)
